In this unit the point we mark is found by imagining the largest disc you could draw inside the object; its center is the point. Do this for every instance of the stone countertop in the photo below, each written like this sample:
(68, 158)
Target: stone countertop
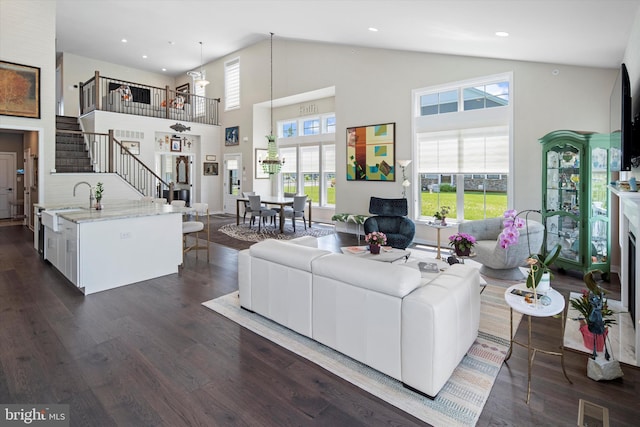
(115, 210)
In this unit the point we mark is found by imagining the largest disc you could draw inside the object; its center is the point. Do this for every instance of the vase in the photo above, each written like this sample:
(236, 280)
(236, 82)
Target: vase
(587, 338)
(374, 249)
(98, 204)
(545, 283)
(443, 222)
(462, 251)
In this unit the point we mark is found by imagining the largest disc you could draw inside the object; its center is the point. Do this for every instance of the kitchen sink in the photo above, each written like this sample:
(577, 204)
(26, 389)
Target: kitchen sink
(49, 217)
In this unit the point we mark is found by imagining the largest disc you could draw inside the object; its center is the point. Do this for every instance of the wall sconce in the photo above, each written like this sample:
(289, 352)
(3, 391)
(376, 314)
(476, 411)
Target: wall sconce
(405, 182)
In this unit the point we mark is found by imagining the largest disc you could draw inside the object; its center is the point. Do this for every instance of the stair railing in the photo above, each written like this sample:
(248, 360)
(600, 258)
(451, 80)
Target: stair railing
(121, 96)
(108, 155)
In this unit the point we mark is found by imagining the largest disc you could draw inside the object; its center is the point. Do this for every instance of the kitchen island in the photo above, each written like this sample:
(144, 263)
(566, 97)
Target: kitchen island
(124, 243)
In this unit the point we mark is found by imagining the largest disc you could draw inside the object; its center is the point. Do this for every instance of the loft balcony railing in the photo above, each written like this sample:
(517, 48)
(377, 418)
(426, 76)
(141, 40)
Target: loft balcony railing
(108, 155)
(120, 96)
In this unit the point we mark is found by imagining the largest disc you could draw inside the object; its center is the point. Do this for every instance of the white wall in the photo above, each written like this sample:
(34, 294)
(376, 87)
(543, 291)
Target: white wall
(374, 86)
(206, 139)
(27, 36)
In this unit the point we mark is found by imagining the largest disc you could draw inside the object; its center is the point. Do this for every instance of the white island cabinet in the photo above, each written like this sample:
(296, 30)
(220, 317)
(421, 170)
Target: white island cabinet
(129, 243)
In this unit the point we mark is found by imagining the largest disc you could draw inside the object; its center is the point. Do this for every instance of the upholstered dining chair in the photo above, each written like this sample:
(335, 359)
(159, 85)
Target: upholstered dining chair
(247, 207)
(200, 224)
(257, 210)
(178, 203)
(296, 211)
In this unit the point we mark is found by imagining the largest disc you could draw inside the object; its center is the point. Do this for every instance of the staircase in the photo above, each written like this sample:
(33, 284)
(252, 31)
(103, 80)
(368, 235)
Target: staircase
(71, 151)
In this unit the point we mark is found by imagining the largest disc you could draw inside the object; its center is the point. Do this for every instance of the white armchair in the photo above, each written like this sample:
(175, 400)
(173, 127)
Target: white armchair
(502, 263)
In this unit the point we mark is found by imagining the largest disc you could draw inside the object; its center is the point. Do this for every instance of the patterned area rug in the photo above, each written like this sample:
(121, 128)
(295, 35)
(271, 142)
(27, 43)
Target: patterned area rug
(460, 401)
(243, 232)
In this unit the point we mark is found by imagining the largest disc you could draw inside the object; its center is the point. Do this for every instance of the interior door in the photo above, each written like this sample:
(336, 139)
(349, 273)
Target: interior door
(28, 183)
(232, 184)
(7, 182)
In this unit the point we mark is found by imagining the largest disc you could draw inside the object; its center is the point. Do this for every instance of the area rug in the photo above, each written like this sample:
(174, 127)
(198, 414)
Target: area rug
(460, 401)
(243, 232)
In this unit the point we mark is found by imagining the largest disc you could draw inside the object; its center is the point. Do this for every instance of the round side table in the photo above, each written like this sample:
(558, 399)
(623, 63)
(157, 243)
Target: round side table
(517, 303)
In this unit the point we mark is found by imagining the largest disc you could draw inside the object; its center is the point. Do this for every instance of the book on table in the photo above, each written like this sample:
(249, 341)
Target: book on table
(428, 267)
(356, 249)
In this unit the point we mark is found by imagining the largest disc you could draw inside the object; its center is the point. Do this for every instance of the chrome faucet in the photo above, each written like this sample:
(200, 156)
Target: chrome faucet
(90, 191)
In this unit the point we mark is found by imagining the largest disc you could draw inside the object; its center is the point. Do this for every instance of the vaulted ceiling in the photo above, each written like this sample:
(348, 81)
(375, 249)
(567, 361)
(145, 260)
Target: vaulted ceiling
(576, 32)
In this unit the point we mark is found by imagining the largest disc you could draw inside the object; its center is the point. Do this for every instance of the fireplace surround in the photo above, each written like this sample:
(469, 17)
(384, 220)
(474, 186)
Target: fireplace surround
(629, 228)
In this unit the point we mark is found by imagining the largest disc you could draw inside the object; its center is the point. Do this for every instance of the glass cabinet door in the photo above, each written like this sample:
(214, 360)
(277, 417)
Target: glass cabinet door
(599, 223)
(563, 201)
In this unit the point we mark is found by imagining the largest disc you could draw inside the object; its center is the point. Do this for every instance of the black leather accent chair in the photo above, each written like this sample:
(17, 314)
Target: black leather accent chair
(391, 219)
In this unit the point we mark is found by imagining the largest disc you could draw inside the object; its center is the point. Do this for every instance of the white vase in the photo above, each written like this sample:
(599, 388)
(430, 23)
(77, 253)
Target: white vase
(545, 283)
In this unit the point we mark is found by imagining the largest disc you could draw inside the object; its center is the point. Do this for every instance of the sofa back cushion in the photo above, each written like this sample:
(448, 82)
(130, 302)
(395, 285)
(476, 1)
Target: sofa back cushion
(289, 254)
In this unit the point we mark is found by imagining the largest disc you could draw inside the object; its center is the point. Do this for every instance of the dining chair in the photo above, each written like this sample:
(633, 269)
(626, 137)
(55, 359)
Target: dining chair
(199, 224)
(178, 203)
(247, 208)
(257, 210)
(296, 211)
(160, 200)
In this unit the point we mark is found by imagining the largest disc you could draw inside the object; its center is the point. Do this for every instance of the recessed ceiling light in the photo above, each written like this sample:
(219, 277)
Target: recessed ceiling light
(144, 56)
(123, 40)
(172, 42)
(373, 30)
(502, 34)
(164, 69)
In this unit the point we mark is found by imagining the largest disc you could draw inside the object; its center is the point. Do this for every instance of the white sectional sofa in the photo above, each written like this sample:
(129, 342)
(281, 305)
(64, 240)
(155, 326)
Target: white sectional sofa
(384, 315)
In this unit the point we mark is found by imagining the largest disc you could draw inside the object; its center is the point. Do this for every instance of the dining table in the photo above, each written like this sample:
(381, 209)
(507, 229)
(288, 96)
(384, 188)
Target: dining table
(279, 201)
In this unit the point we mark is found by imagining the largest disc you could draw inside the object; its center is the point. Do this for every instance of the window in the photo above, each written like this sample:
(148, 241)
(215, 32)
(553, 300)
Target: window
(289, 130)
(463, 157)
(330, 124)
(288, 173)
(311, 127)
(232, 84)
(308, 146)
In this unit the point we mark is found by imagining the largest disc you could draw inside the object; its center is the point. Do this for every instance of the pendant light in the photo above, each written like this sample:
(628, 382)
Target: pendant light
(272, 163)
(201, 80)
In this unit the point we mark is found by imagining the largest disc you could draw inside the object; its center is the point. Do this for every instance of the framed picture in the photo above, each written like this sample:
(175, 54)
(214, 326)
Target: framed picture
(176, 144)
(19, 90)
(261, 154)
(185, 88)
(210, 168)
(232, 136)
(371, 152)
(210, 157)
(132, 146)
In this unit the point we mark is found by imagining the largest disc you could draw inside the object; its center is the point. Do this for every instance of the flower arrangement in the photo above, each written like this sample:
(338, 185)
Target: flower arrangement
(590, 302)
(376, 238)
(462, 241)
(511, 232)
(442, 213)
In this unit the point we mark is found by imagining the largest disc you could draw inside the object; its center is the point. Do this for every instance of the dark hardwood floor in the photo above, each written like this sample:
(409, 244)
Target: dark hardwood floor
(151, 354)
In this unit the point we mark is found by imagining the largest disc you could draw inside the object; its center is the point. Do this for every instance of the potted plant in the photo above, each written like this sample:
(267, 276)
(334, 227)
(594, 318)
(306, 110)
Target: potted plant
(539, 277)
(98, 194)
(441, 215)
(462, 243)
(595, 313)
(375, 239)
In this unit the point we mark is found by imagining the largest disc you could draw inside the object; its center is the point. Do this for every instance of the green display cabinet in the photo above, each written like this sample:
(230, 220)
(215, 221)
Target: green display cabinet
(575, 200)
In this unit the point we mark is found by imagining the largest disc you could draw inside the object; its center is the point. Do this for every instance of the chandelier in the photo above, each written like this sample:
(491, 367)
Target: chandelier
(272, 164)
(199, 76)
